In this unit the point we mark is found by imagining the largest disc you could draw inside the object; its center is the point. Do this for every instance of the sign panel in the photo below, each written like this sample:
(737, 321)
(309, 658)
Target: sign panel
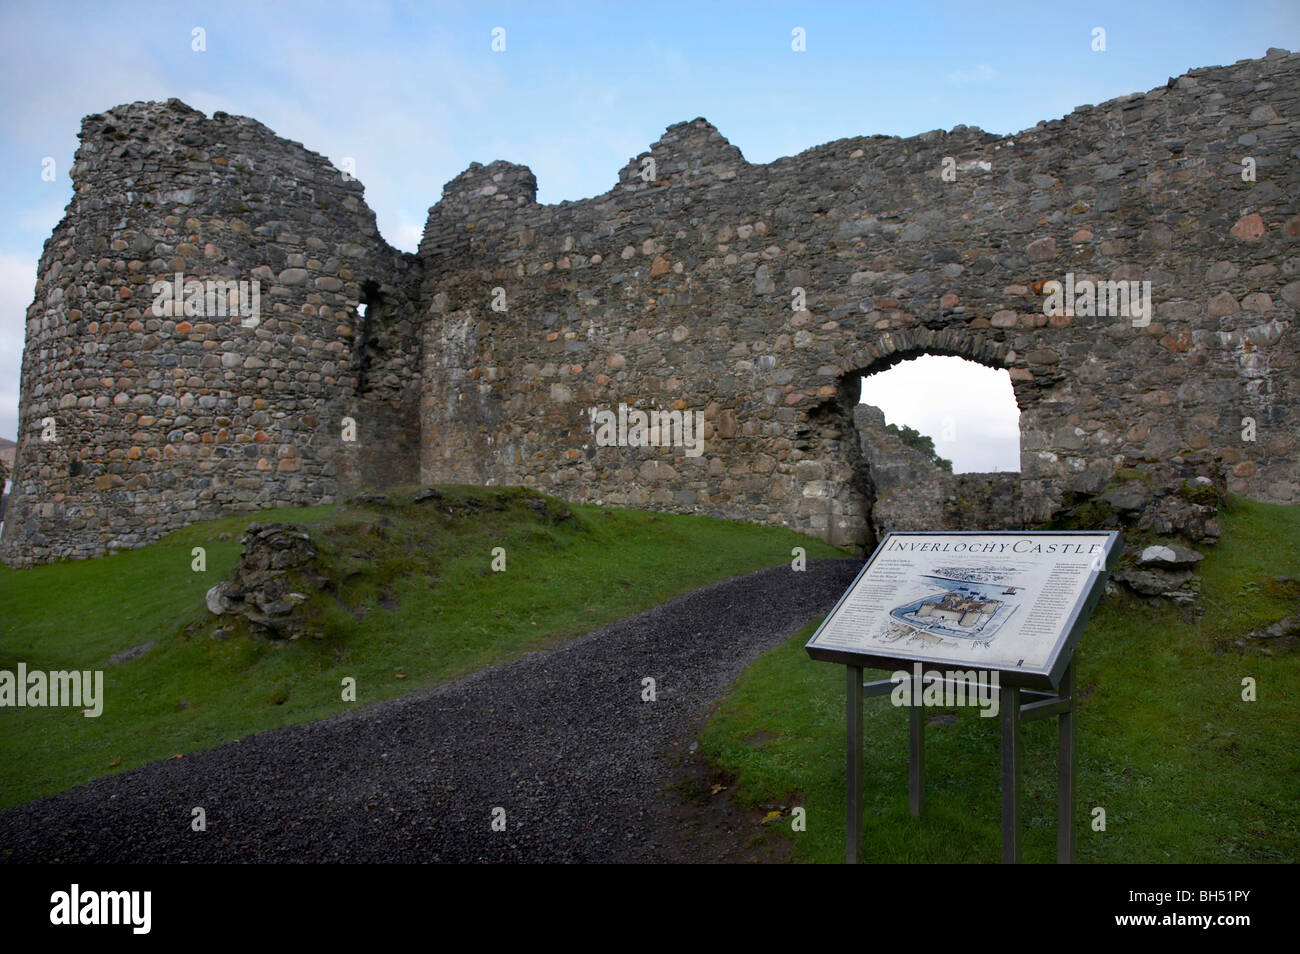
(1015, 602)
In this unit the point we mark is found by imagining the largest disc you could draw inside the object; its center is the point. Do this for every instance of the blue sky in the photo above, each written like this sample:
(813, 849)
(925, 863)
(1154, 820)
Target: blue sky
(413, 92)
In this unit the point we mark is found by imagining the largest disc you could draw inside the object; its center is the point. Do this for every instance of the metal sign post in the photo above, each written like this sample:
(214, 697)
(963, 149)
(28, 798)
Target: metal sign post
(870, 626)
(1014, 712)
(1065, 770)
(853, 770)
(1010, 704)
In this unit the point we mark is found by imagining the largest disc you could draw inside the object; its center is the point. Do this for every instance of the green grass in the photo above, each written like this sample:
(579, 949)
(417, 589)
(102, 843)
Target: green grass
(1185, 770)
(422, 604)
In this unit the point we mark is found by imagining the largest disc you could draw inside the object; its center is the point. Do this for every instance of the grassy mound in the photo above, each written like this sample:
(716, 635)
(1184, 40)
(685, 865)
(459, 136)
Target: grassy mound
(415, 602)
(1185, 770)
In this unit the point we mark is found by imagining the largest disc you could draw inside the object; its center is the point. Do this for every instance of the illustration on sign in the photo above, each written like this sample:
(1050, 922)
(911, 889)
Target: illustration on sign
(996, 600)
(965, 604)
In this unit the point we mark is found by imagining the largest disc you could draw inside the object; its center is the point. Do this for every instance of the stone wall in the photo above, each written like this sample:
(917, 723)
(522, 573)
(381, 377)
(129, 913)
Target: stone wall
(5, 463)
(906, 490)
(155, 421)
(983, 502)
(678, 291)
(757, 295)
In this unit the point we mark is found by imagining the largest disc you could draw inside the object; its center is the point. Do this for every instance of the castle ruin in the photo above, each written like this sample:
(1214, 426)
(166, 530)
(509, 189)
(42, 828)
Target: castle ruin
(756, 295)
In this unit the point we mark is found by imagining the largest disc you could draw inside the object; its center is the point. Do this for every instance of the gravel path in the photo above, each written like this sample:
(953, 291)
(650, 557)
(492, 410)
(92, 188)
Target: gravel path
(560, 739)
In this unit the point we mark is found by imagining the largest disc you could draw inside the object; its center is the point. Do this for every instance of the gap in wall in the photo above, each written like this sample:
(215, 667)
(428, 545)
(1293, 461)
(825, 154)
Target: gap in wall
(967, 409)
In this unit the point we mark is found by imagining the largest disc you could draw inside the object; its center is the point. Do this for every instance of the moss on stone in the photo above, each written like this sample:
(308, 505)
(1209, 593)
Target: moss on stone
(1130, 473)
(1204, 494)
(1091, 515)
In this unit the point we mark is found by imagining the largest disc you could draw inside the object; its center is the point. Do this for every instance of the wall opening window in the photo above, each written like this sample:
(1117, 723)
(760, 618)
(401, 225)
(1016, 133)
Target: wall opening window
(367, 349)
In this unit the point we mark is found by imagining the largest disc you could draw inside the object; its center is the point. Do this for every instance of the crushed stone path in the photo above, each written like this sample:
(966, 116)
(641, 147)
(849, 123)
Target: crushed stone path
(560, 739)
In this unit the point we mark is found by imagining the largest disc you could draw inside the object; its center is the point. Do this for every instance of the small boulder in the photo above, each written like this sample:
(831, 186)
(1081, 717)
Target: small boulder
(1127, 499)
(370, 500)
(126, 655)
(1288, 626)
(1169, 556)
(1153, 582)
(218, 599)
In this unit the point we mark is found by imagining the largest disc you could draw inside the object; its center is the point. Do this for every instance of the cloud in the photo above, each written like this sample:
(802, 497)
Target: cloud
(17, 283)
(968, 409)
(407, 237)
(41, 219)
(982, 73)
(320, 88)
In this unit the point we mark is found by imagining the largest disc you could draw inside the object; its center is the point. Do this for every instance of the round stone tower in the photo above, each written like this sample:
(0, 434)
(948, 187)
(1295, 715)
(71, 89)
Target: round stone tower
(196, 346)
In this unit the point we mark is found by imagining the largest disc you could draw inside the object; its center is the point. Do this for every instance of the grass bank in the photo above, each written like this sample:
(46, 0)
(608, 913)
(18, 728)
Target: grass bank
(416, 603)
(1185, 770)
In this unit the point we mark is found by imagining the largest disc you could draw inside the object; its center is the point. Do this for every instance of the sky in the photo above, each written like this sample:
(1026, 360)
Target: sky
(979, 433)
(414, 92)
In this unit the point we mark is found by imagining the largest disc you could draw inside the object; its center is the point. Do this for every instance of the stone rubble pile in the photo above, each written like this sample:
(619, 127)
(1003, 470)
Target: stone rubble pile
(276, 557)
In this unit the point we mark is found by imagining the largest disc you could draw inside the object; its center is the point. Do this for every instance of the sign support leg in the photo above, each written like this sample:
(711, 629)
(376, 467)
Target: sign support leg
(916, 760)
(1009, 703)
(1065, 771)
(853, 767)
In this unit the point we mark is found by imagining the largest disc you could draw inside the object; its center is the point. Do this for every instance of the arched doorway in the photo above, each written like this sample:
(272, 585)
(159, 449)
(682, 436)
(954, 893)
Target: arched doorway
(853, 514)
(940, 438)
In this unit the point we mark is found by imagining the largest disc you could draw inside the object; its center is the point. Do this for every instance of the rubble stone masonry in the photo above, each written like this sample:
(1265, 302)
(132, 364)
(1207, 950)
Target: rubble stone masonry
(755, 294)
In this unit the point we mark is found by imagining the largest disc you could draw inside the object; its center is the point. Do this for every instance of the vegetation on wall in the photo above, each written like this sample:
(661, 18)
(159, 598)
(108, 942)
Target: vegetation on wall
(918, 441)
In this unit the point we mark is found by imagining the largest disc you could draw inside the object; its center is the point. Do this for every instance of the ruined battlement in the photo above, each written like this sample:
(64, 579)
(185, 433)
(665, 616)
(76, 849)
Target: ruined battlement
(756, 295)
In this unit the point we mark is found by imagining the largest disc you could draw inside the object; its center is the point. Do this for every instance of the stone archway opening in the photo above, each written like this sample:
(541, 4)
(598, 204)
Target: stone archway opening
(959, 413)
(944, 453)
